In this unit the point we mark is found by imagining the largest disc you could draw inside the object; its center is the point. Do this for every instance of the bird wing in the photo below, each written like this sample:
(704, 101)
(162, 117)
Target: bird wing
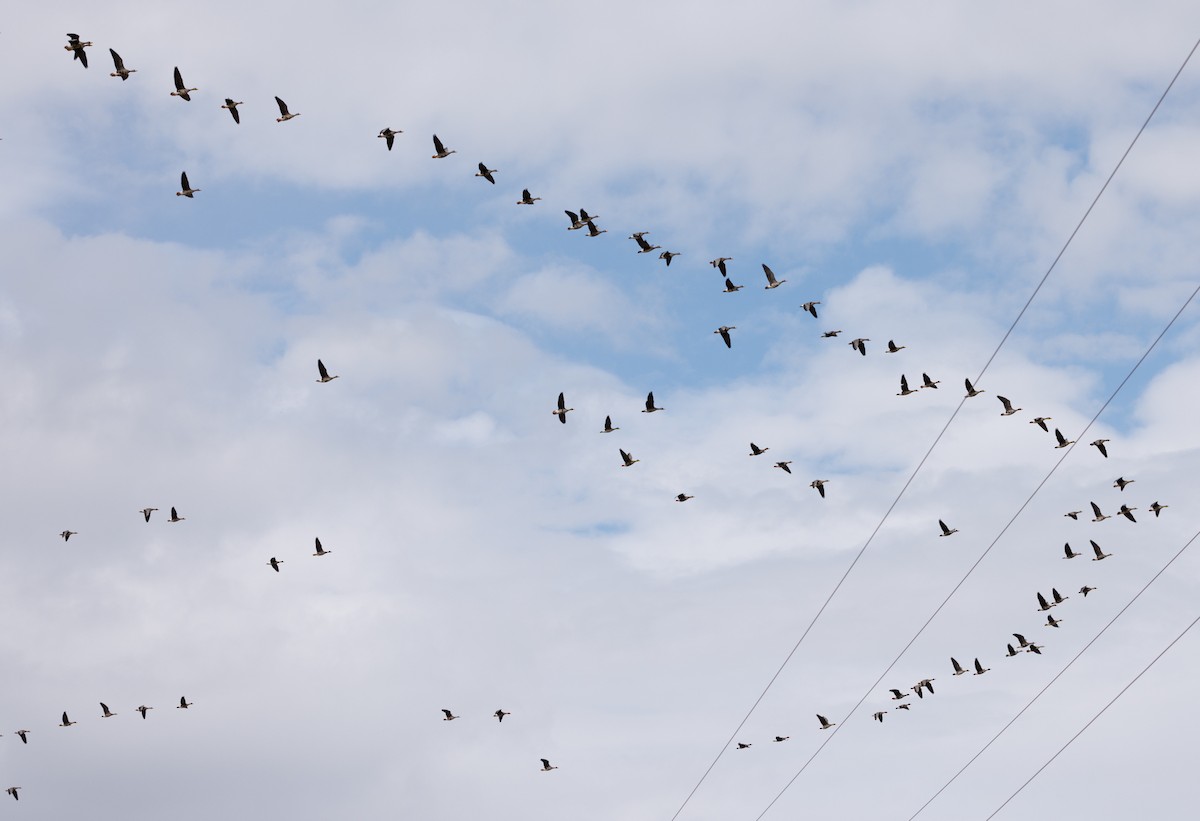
(1062, 440)
(562, 401)
(183, 180)
(65, 719)
(282, 106)
(178, 80)
(903, 383)
(183, 701)
(978, 666)
(321, 369)
(118, 63)
(546, 763)
(1042, 601)
(970, 389)
(1003, 401)
(770, 274)
(650, 400)
(437, 145)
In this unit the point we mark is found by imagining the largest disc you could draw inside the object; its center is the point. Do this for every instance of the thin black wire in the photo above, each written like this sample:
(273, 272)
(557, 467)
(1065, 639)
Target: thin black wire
(1050, 683)
(1093, 719)
(936, 441)
(1066, 452)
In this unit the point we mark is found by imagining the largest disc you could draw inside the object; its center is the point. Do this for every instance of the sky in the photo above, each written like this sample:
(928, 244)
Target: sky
(914, 168)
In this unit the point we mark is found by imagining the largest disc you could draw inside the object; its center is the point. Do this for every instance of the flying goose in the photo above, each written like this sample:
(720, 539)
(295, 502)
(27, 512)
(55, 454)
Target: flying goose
(546, 766)
(894, 348)
(1009, 410)
(73, 44)
(1070, 554)
(487, 173)
(719, 264)
(946, 530)
(825, 724)
(181, 90)
(643, 246)
(926, 683)
(1011, 652)
(742, 745)
(324, 374)
(784, 466)
(389, 136)
(730, 288)
(1100, 554)
(500, 714)
(897, 695)
(650, 404)
(146, 511)
(1042, 603)
(1062, 440)
(755, 450)
(187, 191)
(321, 551)
(771, 281)
(585, 217)
(1034, 648)
(1122, 482)
(830, 334)
(811, 307)
(819, 486)
(175, 517)
(562, 410)
(904, 389)
(668, 256)
(576, 223)
(724, 332)
(449, 715)
(1099, 445)
(107, 713)
(284, 114)
(67, 534)
(22, 735)
(184, 703)
(13, 792)
(683, 497)
(958, 668)
(860, 345)
(903, 706)
(593, 231)
(231, 106)
(1051, 621)
(926, 382)
(66, 722)
(1127, 512)
(143, 709)
(441, 152)
(779, 738)
(526, 199)
(1156, 507)
(1021, 640)
(971, 389)
(878, 715)
(980, 669)
(1041, 421)
(1058, 597)
(1085, 590)
(608, 425)
(119, 65)
(629, 460)
(1073, 514)
(1100, 517)
(274, 563)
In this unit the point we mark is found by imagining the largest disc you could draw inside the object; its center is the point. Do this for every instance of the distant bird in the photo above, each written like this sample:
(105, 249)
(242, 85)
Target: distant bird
(323, 373)
(825, 723)
(1058, 597)
(66, 722)
(500, 714)
(546, 766)
(683, 497)
(1011, 652)
(1100, 554)
(926, 683)
(1085, 590)
(771, 281)
(593, 231)
(1041, 421)
(1100, 517)
(146, 511)
(585, 217)
(860, 345)
(819, 486)
(608, 425)
(719, 264)
(879, 714)
(779, 738)
(13, 792)
(926, 382)
(730, 288)
(449, 715)
(562, 410)
(175, 517)
(143, 709)
(811, 307)
(629, 460)
(946, 529)
(107, 713)
(1009, 410)
(184, 703)
(1070, 554)
(971, 389)
(1127, 512)
(440, 150)
(980, 669)
(743, 746)
(903, 706)
(904, 389)
(321, 551)
(958, 668)
(1156, 507)
(22, 735)
(487, 173)
(1021, 640)
(274, 563)
(1034, 648)
(119, 65)
(74, 44)
(181, 90)
(724, 332)
(186, 188)
(67, 534)
(643, 246)
(668, 256)
(1051, 621)
(231, 106)
(784, 466)
(1074, 514)
(894, 348)
(284, 114)
(1099, 445)
(650, 404)
(1042, 603)
(897, 695)
(1062, 440)
(755, 450)
(576, 222)
(1122, 482)
(389, 136)
(526, 199)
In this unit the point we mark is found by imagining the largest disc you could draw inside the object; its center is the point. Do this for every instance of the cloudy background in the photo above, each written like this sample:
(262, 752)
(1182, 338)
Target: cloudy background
(915, 167)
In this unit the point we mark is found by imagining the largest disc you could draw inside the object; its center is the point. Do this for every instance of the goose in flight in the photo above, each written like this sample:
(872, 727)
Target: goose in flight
(1042, 603)
(449, 715)
(980, 669)
(897, 695)
(184, 703)
(526, 199)
(22, 735)
(719, 264)
(1021, 640)
(683, 497)
(66, 722)
(771, 281)
(389, 136)
(627, 459)
(13, 792)
(500, 714)
(1034, 648)
(1041, 421)
(927, 683)
(819, 486)
(1100, 554)
(1099, 445)
(1073, 514)
(650, 404)
(107, 713)
(1085, 590)
(811, 307)
(1058, 597)
(182, 91)
(730, 288)
(958, 668)
(946, 529)
(926, 382)
(547, 766)
(878, 715)
(667, 256)
(1100, 517)
(1127, 512)
(74, 44)
(825, 723)
(440, 150)
(67, 534)
(784, 466)
(1009, 410)
(487, 173)
(231, 106)
(284, 114)
(562, 410)
(1156, 507)
(1062, 440)
(643, 246)
(143, 709)
(1122, 482)
(779, 738)
(742, 745)
(321, 551)
(894, 348)
(903, 706)
(274, 563)
(608, 425)
(187, 190)
(1070, 554)
(323, 373)
(971, 389)
(755, 450)
(585, 217)
(724, 332)
(576, 222)
(593, 231)
(1011, 651)
(1051, 621)
(119, 65)
(860, 345)
(175, 517)
(904, 389)
(146, 511)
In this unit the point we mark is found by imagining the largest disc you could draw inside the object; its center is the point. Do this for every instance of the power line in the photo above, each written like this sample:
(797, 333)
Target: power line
(904, 488)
